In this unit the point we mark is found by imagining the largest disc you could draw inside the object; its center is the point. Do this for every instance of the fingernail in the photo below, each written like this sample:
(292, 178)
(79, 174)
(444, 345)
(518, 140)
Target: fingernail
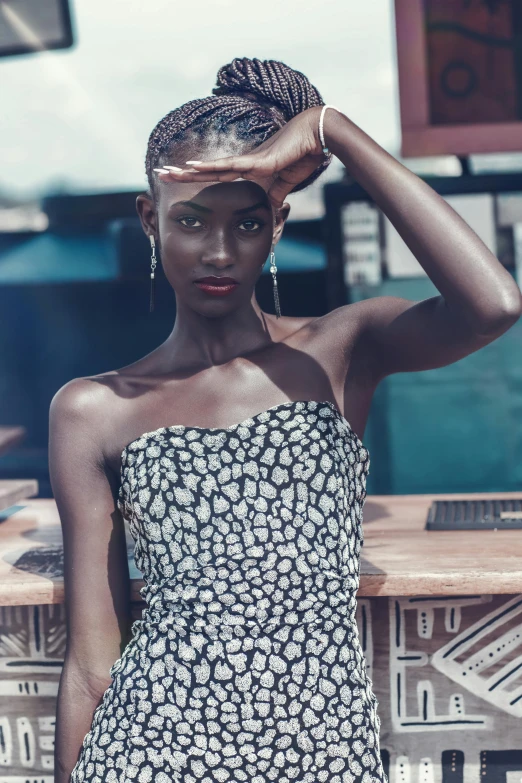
(173, 168)
(161, 171)
(193, 161)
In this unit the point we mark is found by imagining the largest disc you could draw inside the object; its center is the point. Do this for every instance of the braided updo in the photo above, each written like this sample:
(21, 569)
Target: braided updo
(252, 101)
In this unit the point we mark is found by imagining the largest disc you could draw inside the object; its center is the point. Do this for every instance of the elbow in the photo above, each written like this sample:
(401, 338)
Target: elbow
(503, 318)
(87, 685)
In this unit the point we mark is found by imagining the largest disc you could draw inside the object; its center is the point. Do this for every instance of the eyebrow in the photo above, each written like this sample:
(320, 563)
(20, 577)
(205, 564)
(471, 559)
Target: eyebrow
(241, 211)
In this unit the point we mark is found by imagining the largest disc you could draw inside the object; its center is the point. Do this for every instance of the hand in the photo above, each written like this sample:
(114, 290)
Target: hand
(288, 157)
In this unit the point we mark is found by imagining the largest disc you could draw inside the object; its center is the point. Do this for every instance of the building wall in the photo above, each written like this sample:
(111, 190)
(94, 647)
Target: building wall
(450, 429)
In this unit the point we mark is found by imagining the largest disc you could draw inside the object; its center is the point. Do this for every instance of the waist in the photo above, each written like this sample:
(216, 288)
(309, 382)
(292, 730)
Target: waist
(229, 603)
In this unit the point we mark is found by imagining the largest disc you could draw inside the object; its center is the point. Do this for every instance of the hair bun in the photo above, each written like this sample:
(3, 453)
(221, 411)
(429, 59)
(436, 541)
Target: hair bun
(268, 82)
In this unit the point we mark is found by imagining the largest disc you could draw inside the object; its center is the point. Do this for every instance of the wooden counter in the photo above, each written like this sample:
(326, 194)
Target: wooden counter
(399, 557)
(440, 625)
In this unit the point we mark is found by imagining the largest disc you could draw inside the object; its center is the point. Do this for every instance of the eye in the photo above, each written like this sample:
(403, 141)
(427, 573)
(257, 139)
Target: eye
(252, 225)
(188, 217)
(256, 222)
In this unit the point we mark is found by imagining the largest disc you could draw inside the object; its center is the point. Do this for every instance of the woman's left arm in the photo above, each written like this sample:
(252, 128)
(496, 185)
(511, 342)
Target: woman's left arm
(479, 299)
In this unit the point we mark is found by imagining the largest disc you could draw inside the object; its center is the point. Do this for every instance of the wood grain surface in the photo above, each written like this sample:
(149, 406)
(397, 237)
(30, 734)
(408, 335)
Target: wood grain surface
(15, 490)
(399, 557)
(10, 437)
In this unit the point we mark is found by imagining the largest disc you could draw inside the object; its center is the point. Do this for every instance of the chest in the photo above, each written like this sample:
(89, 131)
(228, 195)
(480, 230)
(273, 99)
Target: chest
(287, 482)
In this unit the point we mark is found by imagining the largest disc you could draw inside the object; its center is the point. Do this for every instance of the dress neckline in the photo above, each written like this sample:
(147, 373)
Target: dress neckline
(246, 422)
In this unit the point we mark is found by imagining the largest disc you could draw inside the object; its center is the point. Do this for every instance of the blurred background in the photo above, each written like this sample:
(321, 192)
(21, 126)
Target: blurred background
(83, 83)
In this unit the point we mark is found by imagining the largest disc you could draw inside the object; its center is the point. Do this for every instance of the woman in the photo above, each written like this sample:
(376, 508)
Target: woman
(228, 449)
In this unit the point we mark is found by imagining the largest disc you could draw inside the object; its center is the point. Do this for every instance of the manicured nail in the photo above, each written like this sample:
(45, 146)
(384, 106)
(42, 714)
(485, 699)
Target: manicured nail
(193, 161)
(173, 168)
(161, 171)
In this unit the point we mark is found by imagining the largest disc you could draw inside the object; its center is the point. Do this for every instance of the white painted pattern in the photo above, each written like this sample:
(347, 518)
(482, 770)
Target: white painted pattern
(403, 658)
(498, 633)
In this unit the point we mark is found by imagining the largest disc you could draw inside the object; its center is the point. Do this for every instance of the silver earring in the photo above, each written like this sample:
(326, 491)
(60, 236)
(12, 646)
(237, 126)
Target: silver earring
(273, 269)
(153, 262)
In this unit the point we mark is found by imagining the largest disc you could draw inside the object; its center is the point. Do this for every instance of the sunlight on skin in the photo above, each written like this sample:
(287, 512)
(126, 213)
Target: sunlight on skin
(224, 198)
(189, 188)
(216, 144)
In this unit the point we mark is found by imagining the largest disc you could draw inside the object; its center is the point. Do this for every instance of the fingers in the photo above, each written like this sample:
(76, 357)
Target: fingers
(278, 191)
(186, 175)
(167, 174)
(221, 169)
(230, 163)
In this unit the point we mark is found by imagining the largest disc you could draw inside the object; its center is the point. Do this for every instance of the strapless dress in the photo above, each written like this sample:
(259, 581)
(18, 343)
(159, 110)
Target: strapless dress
(246, 663)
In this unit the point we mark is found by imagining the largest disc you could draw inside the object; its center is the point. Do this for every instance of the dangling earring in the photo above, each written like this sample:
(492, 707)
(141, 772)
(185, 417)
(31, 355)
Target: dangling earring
(152, 271)
(273, 269)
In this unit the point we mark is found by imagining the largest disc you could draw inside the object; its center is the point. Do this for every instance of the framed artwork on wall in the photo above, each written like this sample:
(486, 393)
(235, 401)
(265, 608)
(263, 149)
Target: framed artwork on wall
(460, 76)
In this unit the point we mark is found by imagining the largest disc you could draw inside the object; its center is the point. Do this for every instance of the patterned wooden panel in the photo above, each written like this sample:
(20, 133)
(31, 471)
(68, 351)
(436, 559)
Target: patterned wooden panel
(32, 645)
(447, 672)
(460, 76)
(448, 675)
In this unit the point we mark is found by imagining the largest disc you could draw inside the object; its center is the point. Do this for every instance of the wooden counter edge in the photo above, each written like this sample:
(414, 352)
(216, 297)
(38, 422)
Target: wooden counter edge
(371, 586)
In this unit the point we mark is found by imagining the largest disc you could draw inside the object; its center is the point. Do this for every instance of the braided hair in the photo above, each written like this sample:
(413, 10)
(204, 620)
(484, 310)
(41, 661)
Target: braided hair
(253, 99)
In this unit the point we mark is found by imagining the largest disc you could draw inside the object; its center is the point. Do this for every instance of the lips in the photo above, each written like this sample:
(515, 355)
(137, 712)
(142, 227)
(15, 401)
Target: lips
(217, 280)
(216, 286)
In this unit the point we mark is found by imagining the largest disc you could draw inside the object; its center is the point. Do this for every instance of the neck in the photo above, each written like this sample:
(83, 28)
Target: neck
(204, 342)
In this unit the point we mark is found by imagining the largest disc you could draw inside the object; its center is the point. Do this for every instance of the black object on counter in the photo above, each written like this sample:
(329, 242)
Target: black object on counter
(475, 515)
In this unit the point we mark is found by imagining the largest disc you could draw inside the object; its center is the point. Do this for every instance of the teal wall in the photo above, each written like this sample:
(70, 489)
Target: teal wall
(452, 429)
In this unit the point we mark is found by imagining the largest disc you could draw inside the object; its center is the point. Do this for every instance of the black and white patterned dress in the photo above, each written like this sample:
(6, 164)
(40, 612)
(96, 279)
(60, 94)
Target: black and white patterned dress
(246, 665)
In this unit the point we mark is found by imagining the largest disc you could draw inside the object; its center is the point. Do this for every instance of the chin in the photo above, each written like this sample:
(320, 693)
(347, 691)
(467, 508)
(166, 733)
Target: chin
(217, 310)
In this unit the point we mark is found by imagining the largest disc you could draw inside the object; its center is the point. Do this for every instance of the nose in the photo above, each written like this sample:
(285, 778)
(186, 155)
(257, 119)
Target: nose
(219, 251)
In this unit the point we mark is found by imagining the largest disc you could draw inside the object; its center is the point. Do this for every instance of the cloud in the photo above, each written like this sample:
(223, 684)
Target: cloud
(84, 115)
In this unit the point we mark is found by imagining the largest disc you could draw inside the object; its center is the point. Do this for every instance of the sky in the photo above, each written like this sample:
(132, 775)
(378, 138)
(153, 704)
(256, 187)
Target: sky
(80, 118)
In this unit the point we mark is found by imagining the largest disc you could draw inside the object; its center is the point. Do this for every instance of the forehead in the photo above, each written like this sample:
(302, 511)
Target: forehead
(214, 145)
(218, 196)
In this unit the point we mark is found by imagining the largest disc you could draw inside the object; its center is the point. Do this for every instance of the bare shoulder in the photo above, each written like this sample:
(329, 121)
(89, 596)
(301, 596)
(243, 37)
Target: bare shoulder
(82, 405)
(80, 396)
(288, 325)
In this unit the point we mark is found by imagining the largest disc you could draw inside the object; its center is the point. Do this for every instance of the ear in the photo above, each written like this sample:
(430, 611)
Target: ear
(147, 214)
(281, 217)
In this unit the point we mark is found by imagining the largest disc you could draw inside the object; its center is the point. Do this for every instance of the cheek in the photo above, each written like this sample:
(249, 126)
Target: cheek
(177, 244)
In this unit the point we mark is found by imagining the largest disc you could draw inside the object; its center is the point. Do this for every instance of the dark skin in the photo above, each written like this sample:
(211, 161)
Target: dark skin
(226, 359)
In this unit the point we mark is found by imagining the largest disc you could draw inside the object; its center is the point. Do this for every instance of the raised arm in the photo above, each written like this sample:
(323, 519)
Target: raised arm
(479, 300)
(95, 559)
